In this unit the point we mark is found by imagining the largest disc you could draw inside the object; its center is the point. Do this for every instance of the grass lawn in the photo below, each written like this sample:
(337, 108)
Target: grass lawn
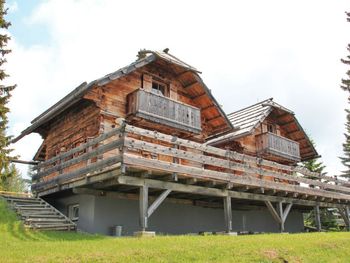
(20, 245)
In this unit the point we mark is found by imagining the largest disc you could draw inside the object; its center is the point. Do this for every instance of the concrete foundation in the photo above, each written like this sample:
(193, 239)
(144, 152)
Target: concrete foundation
(99, 214)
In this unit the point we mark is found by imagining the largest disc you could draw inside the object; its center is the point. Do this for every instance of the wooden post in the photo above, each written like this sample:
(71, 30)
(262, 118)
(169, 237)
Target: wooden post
(228, 213)
(143, 207)
(347, 214)
(317, 218)
(280, 212)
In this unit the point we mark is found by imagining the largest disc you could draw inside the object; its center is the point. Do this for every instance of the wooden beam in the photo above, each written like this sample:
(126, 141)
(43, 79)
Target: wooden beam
(157, 202)
(225, 177)
(198, 96)
(200, 190)
(23, 162)
(191, 181)
(208, 107)
(228, 213)
(273, 212)
(214, 118)
(190, 85)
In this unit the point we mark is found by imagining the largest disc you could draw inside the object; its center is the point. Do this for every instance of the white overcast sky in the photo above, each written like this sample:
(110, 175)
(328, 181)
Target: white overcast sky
(247, 50)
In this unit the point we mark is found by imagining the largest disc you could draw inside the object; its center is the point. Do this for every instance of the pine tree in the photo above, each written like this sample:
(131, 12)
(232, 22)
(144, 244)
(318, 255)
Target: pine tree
(328, 218)
(5, 94)
(345, 85)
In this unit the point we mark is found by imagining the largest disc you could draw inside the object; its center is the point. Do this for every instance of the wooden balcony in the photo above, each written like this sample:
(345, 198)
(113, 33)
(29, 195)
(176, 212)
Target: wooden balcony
(124, 155)
(270, 143)
(163, 110)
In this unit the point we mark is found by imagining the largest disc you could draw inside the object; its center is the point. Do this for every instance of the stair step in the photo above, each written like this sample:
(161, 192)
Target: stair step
(38, 214)
(23, 201)
(45, 220)
(52, 226)
(19, 198)
(53, 229)
(42, 216)
(32, 206)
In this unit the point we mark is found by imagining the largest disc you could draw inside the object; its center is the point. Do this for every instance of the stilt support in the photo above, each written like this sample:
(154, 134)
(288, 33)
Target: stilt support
(318, 218)
(282, 214)
(143, 207)
(228, 213)
(145, 211)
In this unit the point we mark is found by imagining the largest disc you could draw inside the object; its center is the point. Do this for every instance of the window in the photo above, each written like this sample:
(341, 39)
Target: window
(159, 88)
(271, 128)
(73, 212)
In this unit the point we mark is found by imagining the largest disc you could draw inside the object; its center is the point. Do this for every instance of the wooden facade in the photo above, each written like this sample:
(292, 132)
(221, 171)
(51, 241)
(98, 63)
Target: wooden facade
(155, 125)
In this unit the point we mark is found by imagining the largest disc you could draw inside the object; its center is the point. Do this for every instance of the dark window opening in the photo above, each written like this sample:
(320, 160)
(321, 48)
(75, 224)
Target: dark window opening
(159, 88)
(271, 128)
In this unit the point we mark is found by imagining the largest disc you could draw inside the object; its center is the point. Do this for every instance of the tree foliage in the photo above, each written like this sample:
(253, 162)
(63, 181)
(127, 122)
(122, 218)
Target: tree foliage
(6, 170)
(345, 85)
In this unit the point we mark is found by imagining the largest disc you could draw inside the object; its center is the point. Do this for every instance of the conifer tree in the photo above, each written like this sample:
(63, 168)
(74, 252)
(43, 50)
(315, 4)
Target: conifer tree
(5, 94)
(345, 85)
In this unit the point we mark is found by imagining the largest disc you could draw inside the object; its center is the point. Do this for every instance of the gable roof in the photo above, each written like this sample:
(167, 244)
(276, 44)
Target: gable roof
(187, 74)
(248, 119)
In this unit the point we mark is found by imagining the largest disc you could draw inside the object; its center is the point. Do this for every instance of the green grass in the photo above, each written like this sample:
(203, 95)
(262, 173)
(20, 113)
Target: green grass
(20, 245)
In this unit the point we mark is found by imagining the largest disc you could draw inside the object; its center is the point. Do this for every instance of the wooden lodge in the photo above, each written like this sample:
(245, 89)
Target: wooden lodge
(148, 147)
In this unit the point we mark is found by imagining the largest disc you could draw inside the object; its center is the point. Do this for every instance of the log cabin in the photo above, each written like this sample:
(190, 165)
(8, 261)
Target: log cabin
(148, 148)
(270, 131)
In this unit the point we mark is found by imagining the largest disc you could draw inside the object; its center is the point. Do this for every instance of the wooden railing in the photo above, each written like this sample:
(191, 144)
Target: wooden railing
(163, 110)
(146, 150)
(278, 145)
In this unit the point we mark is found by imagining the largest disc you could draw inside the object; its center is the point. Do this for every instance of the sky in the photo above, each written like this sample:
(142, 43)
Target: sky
(247, 51)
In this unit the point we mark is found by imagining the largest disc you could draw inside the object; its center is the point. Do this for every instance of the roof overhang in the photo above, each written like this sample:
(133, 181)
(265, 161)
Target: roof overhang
(185, 73)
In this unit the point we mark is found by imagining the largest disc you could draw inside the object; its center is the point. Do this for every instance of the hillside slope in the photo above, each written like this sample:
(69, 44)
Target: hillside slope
(20, 245)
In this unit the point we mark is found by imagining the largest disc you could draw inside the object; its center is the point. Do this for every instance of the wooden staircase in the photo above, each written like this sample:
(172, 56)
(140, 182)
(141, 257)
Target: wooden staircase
(38, 214)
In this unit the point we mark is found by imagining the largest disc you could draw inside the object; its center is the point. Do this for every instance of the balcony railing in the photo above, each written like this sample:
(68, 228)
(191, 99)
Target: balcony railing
(278, 145)
(131, 149)
(163, 110)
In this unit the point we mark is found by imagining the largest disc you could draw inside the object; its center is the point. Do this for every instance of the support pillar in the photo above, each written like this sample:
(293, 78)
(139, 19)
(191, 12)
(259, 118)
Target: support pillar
(347, 212)
(318, 218)
(143, 199)
(279, 215)
(228, 213)
(280, 212)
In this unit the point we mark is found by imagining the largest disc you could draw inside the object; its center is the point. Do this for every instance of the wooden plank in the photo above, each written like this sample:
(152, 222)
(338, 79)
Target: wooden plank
(85, 156)
(80, 147)
(210, 160)
(226, 177)
(63, 178)
(204, 147)
(200, 190)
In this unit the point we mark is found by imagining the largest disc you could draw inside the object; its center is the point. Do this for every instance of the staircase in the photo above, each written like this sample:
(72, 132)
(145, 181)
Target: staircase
(38, 214)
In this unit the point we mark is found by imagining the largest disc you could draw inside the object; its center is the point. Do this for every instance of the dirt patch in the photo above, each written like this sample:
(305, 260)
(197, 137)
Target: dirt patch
(270, 254)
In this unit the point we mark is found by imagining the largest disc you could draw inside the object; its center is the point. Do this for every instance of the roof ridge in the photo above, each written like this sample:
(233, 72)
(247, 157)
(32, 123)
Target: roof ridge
(261, 102)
